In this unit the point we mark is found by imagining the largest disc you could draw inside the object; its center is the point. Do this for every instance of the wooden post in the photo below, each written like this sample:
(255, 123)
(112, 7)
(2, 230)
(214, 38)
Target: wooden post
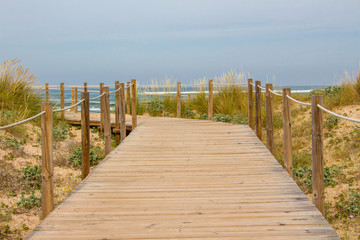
(101, 127)
(178, 100)
(75, 99)
(269, 118)
(128, 98)
(258, 109)
(122, 113)
(287, 131)
(189, 99)
(211, 99)
(47, 92)
(62, 100)
(47, 159)
(85, 134)
(117, 112)
(72, 98)
(85, 87)
(107, 124)
(134, 101)
(317, 153)
(250, 104)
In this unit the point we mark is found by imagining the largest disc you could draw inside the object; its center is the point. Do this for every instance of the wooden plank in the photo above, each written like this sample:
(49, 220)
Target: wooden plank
(177, 178)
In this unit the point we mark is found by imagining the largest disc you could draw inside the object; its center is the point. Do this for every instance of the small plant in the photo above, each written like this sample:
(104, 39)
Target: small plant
(204, 116)
(32, 177)
(154, 107)
(240, 119)
(331, 122)
(76, 156)
(190, 113)
(61, 131)
(29, 202)
(219, 117)
(350, 205)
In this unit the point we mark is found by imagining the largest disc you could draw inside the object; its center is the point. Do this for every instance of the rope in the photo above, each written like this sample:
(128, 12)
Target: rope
(275, 93)
(115, 91)
(261, 87)
(23, 121)
(337, 115)
(94, 91)
(303, 103)
(92, 99)
(64, 109)
(251, 84)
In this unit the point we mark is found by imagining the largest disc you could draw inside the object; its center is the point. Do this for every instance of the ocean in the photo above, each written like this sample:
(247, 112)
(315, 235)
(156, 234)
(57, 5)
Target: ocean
(147, 93)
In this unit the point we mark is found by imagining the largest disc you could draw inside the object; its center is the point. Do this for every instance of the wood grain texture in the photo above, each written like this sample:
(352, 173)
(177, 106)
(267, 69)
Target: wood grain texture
(269, 118)
(62, 100)
(75, 99)
(177, 178)
(317, 154)
(258, 109)
(122, 113)
(47, 97)
(117, 110)
(47, 166)
(101, 127)
(107, 121)
(178, 100)
(85, 135)
(133, 102)
(287, 139)
(211, 100)
(128, 95)
(250, 104)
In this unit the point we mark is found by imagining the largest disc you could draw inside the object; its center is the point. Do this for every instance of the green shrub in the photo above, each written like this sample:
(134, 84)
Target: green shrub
(60, 131)
(154, 107)
(240, 119)
(32, 177)
(76, 156)
(29, 202)
(204, 116)
(331, 122)
(190, 113)
(219, 117)
(350, 205)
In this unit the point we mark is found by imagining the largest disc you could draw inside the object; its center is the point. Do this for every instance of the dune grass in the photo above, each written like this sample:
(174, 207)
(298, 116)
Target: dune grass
(18, 98)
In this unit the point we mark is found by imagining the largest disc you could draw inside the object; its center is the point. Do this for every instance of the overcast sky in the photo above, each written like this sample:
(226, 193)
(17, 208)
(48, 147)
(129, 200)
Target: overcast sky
(288, 42)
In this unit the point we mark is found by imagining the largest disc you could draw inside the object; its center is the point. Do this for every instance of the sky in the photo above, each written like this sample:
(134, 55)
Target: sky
(284, 42)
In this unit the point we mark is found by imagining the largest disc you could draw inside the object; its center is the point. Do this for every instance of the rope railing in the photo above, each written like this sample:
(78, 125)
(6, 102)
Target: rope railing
(275, 93)
(338, 115)
(22, 121)
(69, 107)
(115, 90)
(297, 101)
(92, 99)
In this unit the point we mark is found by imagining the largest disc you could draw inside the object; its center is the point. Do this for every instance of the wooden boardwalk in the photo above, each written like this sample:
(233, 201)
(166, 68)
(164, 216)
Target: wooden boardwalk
(187, 179)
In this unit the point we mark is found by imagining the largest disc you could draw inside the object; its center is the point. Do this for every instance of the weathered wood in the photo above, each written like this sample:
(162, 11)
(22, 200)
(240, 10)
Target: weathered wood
(85, 135)
(187, 179)
(122, 113)
(62, 100)
(128, 96)
(72, 99)
(107, 123)
(287, 143)
(317, 153)
(47, 159)
(101, 107)
(134, 103)
(211, 100)
(258, 109)
(47, 92)
(117, 110)
(269, 118)
(178, 100)
(85, 86)
(250, 103)
(75, 99)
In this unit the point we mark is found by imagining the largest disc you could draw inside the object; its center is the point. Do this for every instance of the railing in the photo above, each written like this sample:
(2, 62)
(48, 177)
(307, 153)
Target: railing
(46, 115)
